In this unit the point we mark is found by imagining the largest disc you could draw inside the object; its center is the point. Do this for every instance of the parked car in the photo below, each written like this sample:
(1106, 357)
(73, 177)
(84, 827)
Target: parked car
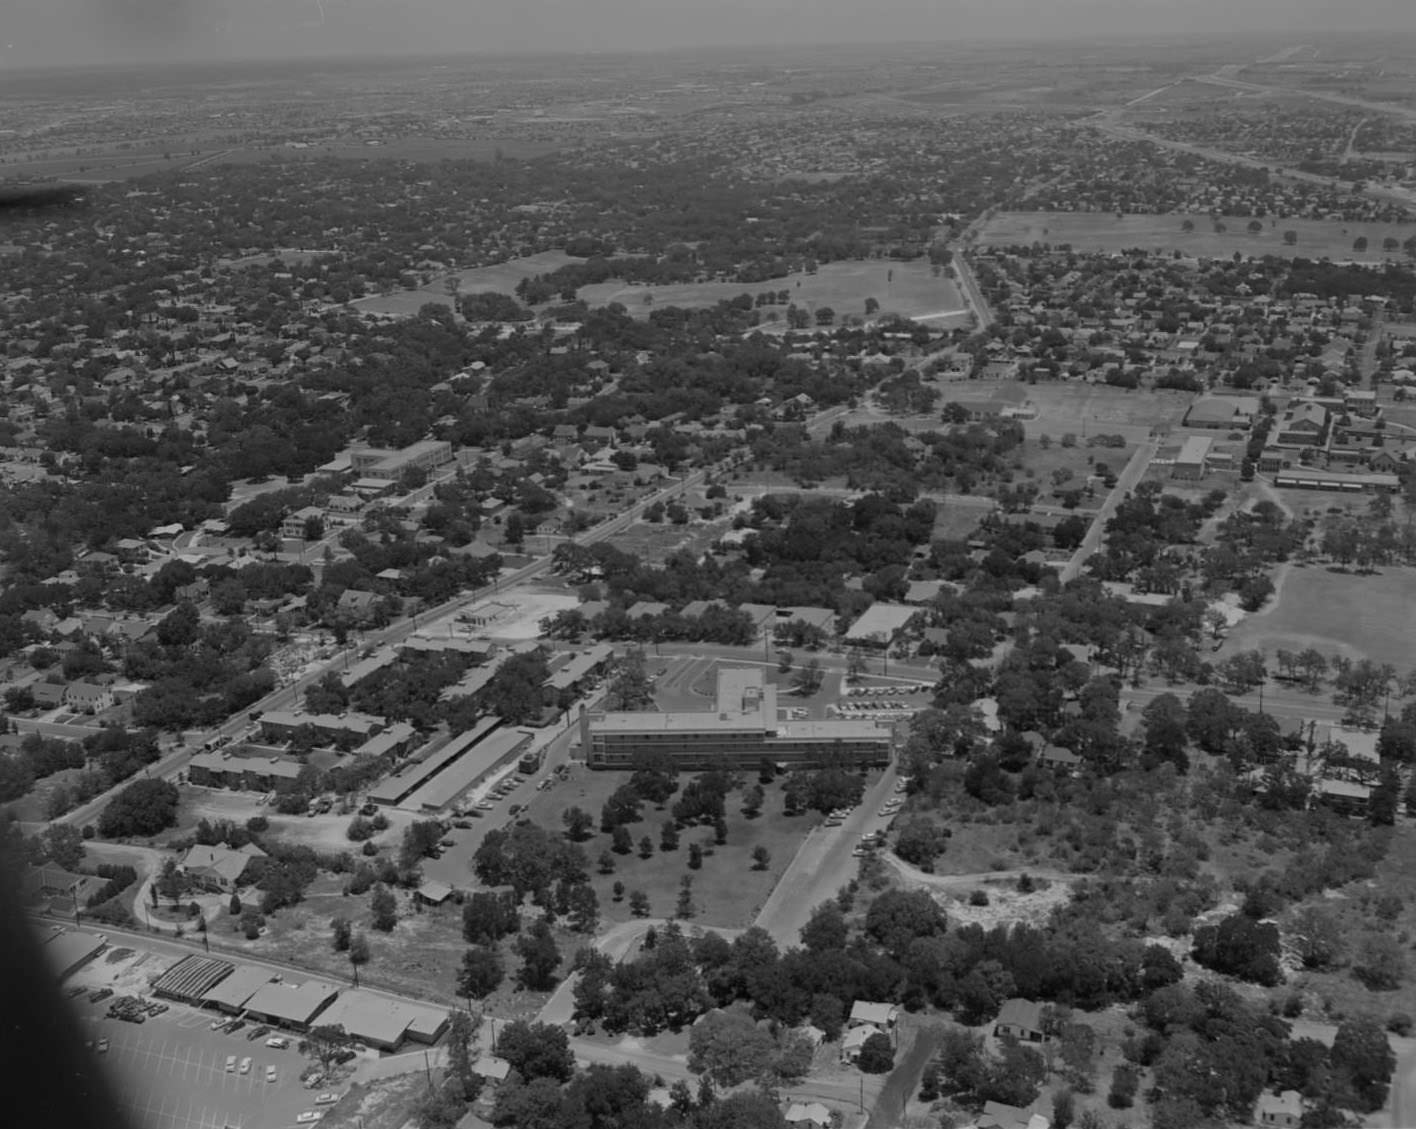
(230, 1064)
(103, 1046)
(245, 1067)
(310, 1115)
(279, 1043)
(447, 841)
(257, 1033)
(76, 990)
(217, 1024)
(462, 824)
(270, 1074)
(327, 1098)
(100, 995)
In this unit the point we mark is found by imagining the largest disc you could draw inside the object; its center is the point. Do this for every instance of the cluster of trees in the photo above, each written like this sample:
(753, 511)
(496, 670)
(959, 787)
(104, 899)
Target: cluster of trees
(143, 808)
(887, 458)
(1212, 1054)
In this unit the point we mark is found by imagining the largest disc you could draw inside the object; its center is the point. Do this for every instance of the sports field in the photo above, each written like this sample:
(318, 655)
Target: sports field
(1359, 616)
(909, 289)
(1103, 231)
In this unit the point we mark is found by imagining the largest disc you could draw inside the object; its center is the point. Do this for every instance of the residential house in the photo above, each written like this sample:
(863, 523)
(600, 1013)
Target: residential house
(88, 697)
(854, 1040)
(217, 867)
(1283, 1111)
(1059, 759)
(47, 695)
(293, 525)
(996, 1115)
(881, 1016)
(1021, 1020)
(813, 1115)
(357, 603)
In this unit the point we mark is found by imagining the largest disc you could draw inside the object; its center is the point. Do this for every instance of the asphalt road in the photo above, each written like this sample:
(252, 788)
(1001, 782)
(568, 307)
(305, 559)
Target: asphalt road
(1279, 700)
(972, 293)
(1125, 483)
(823, 864)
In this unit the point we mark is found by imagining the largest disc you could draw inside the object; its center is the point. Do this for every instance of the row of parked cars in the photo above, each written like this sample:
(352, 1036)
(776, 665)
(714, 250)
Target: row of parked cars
(880, 691)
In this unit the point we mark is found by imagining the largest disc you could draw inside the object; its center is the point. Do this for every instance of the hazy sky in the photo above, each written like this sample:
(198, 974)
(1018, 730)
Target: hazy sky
(58, 32)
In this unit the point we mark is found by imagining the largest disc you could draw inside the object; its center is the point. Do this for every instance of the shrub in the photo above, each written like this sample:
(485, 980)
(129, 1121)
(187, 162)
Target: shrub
(1124, 1082)
(978, 898)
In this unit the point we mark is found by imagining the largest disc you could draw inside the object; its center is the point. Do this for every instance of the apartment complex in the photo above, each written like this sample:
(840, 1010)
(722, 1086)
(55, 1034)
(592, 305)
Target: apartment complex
(743, 730)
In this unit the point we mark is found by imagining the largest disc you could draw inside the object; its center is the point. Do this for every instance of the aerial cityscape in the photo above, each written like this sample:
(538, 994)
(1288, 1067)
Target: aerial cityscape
(831, 587)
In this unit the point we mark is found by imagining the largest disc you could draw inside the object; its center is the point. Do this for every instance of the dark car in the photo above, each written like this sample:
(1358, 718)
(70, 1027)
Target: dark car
(257, 1032)
(99, 996)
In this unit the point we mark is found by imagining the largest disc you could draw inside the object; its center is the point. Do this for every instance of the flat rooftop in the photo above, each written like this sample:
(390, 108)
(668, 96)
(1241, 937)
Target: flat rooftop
(393, 789)
(881, 621)
(471, 766)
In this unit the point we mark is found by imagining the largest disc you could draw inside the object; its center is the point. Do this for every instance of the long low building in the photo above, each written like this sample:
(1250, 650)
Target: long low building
(580, 666)
(224, 769)
(477, 762)
(400, 785)
(1337, 480)
(69, 950)
(384, 1023)
(744, 730)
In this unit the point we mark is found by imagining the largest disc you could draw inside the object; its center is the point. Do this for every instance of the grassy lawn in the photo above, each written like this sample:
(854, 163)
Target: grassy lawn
(1103, 231)
(1040, 462)
(1362, 615)
(727, 891)
(909, 288)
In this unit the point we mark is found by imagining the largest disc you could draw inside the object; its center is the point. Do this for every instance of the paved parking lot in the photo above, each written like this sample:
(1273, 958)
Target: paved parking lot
(172, 1072)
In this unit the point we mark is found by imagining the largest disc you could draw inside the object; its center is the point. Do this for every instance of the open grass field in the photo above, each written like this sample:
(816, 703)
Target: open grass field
(727, 892)
(913, 291)
(1103, 231)
(501, 277)
(1361, 616)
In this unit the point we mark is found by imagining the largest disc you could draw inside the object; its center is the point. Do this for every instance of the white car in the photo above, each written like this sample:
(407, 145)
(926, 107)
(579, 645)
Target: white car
(230, 1063)
(308, 1116)
(327, 1098)
(270, 1074)
(277, 1042)
(245, 1067)
(218, 1024)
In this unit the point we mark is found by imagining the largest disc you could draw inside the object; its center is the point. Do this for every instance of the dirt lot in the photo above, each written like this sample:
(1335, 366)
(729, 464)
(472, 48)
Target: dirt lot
(1359, 615)
(1103, 231)
(726, 891)
(913, 291)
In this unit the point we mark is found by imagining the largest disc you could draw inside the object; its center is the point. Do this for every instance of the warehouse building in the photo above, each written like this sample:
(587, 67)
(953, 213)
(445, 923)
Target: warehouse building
(744, 730)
